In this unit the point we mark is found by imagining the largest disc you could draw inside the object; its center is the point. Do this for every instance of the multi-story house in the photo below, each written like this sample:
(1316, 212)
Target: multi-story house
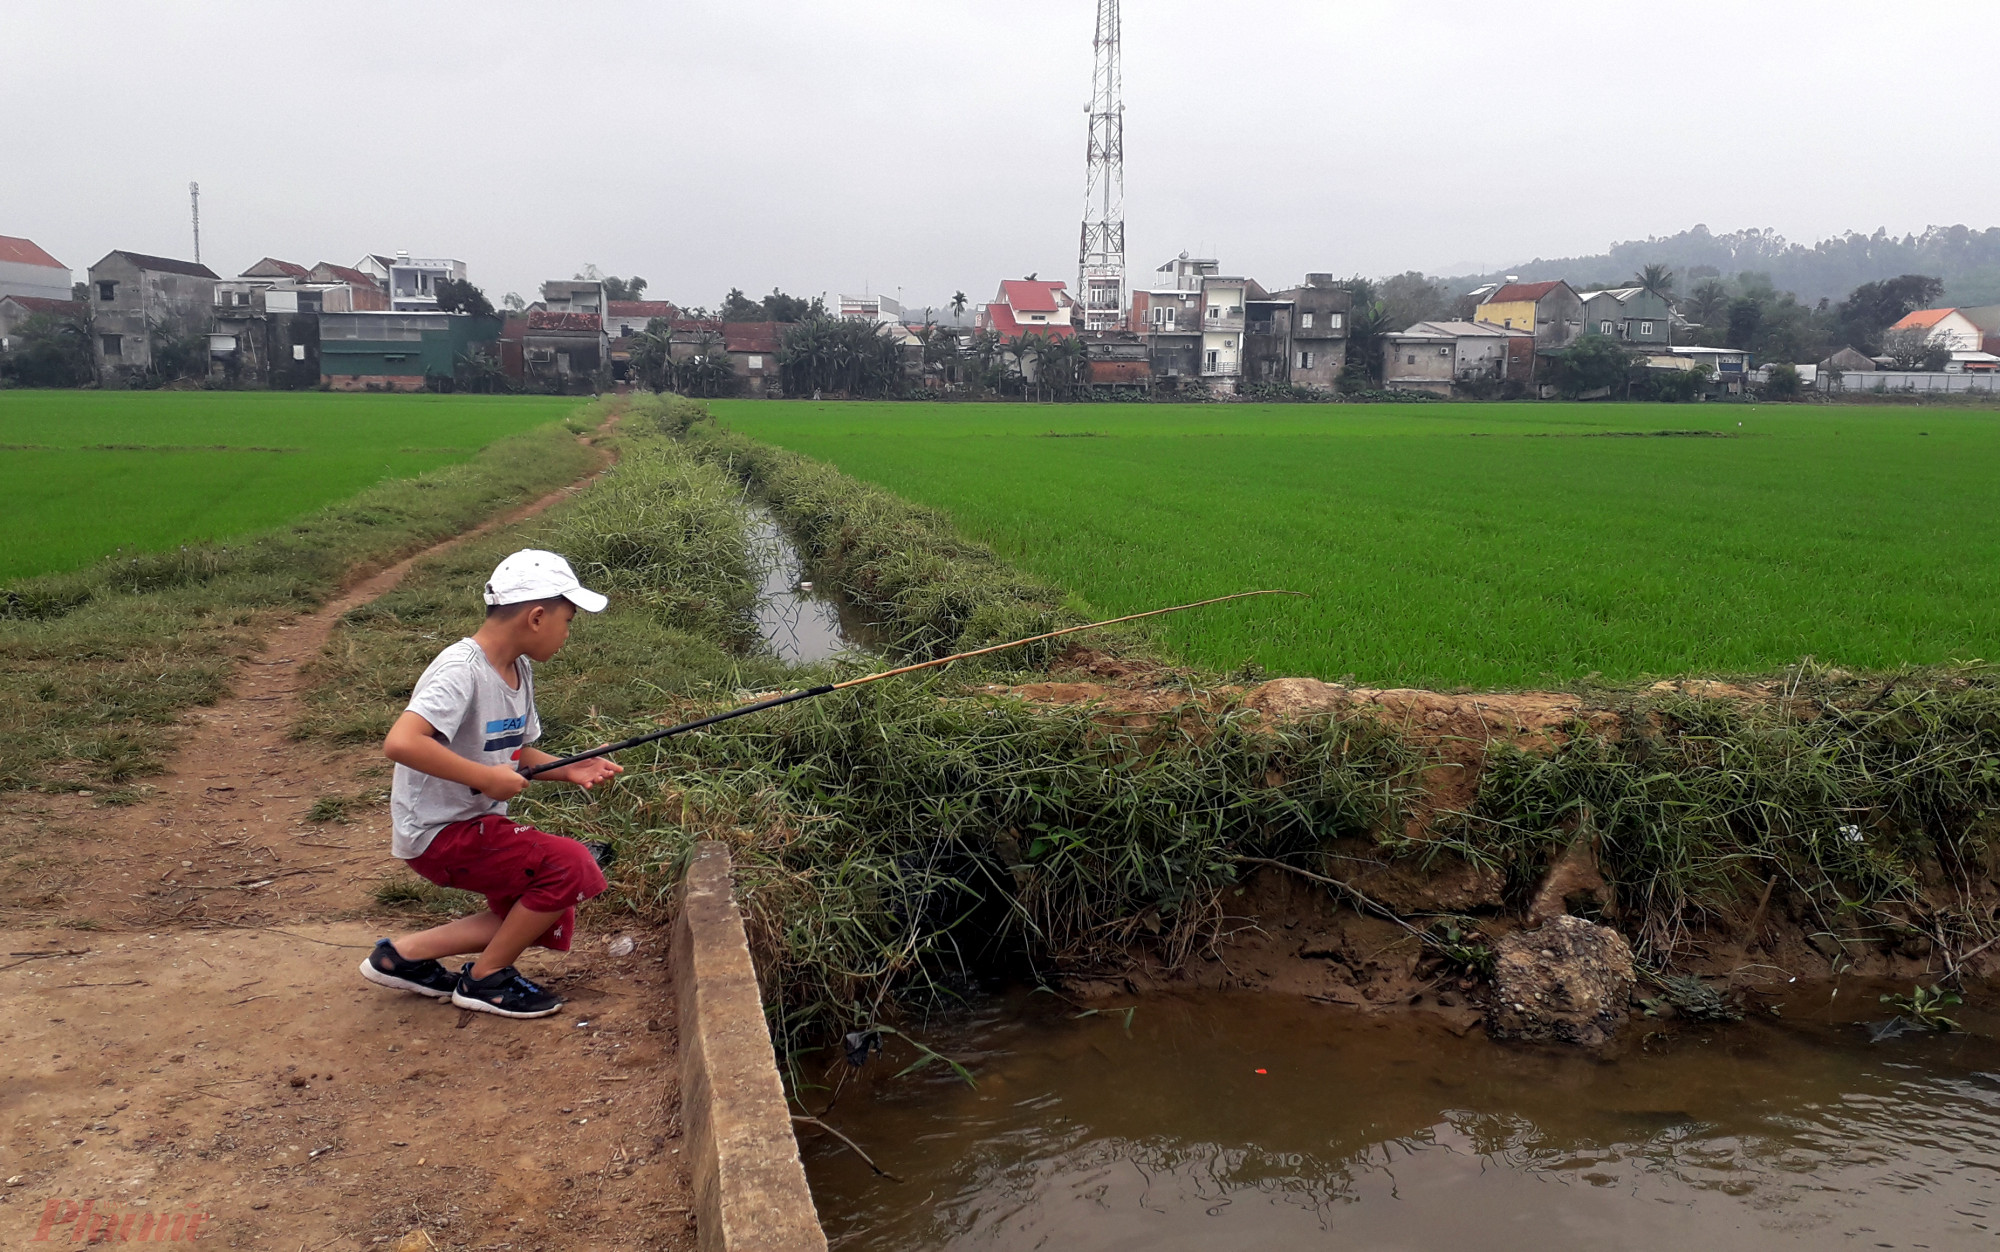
(1298, 335)
(136, 300)
(411, 282)
(1434, 356)
(1029, 305)
(1550, 311)
(1631, 315)
(1227, 330)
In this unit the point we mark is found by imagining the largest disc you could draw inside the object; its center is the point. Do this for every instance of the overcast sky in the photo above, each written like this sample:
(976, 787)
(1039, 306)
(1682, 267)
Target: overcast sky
(933, 145)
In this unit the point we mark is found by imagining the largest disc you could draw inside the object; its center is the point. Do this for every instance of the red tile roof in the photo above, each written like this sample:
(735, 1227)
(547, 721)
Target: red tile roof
(341, 274)
(648, 309)
(552, 319)
(1027, 295)
(42, 304)
(1923, 319)
(750, 336)
(26, 252)
(1523, 291)
(272, 267)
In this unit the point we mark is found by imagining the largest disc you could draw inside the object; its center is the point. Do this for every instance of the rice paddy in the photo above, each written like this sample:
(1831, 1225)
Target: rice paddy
(87, 473)
(1470, 545)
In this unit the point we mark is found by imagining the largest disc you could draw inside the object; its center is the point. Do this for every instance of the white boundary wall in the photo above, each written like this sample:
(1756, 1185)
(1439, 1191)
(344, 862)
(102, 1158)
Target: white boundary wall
(1897, 381)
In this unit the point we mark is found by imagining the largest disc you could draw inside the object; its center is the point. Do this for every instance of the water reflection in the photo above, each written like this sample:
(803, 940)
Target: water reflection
(798, 622)
(1388, 1133)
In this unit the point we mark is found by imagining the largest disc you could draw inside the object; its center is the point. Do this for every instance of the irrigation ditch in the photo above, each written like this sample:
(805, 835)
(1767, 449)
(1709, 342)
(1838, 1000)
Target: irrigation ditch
(1100, 822)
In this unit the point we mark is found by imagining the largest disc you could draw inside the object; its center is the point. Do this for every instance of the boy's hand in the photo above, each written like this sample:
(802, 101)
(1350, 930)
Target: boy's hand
(502, 782)
(587, 774)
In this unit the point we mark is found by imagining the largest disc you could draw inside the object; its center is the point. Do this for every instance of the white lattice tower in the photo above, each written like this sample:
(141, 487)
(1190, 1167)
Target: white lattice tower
(1100, 284)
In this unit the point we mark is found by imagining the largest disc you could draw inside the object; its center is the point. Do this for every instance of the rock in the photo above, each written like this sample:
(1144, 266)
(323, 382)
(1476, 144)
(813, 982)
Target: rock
(1568, 982)
(622, 946)
(415, 1241)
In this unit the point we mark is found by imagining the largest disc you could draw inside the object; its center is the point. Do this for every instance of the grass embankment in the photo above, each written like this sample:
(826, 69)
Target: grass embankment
(97, 664)
(897, 840)
(1448, 545)
(84, 474)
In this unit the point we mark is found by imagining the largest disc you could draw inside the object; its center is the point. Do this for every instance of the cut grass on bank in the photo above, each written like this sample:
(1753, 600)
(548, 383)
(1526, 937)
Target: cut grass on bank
(97, 665)
(1490, 545)
(87, 473)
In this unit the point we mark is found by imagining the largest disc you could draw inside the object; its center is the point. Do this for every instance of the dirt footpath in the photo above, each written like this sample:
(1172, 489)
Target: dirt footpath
(191, 1052)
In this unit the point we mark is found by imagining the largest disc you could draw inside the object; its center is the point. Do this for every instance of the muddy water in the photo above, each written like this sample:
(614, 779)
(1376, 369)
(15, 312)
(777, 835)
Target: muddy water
(1236, 1123)
(799, 625)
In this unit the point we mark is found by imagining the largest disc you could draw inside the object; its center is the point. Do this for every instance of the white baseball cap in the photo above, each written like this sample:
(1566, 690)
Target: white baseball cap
(532, 574)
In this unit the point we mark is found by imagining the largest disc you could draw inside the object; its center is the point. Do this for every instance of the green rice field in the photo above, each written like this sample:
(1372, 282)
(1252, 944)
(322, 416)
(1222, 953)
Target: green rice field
(1477, 545)
(86, 473)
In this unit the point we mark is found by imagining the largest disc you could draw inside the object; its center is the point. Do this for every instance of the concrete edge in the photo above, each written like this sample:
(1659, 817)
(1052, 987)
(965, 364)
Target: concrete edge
(749, 1186)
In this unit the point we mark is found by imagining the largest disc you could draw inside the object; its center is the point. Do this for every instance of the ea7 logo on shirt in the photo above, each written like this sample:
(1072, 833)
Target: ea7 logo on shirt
(499, 736)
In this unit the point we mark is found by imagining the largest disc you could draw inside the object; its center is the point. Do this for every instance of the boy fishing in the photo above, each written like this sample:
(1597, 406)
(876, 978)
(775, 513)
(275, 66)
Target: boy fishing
(460, 749)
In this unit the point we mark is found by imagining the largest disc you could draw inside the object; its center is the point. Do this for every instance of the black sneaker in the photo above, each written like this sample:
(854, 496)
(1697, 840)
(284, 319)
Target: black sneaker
(385, 967)
(504, 991)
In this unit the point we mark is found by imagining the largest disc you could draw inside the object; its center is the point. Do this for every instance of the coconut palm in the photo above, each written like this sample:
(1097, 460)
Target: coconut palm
(958, 303)
(1658, 279)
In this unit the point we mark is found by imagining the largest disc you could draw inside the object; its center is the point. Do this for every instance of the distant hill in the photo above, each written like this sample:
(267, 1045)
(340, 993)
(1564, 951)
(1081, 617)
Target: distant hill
(1967, 260)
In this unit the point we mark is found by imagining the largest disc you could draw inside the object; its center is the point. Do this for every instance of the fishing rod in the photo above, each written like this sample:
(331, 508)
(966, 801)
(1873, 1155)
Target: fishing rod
(829, 688)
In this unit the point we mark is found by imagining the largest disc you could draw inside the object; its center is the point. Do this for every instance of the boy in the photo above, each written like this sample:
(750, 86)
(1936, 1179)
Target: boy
(459, 749)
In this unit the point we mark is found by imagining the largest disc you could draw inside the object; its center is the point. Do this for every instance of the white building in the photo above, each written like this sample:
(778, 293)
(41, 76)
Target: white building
(1948, 327)
(882, 310)
(411, 281)
(26, 270)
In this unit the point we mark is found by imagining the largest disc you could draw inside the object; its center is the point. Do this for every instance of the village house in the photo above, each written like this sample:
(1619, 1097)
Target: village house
(344, 289)
(1987, 318)
(1169, 315)
(26, 270)
(628, 318)
(411, 282)
(1947, 327)
(399, 351)
(1550, 311)
(15, 310)
(1319, 331)
(1631, 315)
(1028, 305)
(1436, 356)
(136, 300)
(753, 354)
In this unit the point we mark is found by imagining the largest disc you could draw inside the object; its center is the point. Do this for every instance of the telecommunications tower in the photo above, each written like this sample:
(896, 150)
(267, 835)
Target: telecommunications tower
(1100, 279)
(194, 207)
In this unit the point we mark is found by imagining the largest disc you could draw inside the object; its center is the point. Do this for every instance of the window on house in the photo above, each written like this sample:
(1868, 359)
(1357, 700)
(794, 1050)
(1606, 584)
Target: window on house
(107, 292)
(1604, 328)
(1333, 321)
(1305, 321)
(1212, 358)
(298, 352)
(1645, 328)
(113, 345)
(1412, 358)
(755, 362)
(1306, 358)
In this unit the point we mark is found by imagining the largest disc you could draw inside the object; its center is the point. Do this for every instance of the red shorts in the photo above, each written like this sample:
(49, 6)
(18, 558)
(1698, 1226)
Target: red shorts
(509, 863)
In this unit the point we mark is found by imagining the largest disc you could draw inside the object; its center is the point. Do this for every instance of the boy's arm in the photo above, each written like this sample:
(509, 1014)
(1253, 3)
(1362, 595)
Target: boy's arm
(585, 774)
(413, 742)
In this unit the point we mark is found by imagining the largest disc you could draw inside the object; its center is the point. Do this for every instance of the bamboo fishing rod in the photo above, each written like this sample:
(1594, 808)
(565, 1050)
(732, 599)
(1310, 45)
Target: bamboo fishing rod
(829, 688)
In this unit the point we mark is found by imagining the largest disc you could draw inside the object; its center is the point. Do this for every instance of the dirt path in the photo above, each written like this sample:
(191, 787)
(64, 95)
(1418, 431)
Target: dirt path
(186, 1034)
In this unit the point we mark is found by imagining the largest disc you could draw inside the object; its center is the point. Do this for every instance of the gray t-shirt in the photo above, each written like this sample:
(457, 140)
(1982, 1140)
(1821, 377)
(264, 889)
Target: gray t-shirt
(477, 715)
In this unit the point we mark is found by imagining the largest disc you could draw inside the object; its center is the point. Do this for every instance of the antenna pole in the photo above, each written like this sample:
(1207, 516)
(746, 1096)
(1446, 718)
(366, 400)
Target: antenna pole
(194, 205)
(1100, 278)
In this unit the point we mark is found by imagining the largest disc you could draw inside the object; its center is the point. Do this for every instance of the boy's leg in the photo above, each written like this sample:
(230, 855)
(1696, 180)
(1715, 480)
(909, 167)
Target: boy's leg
(455, 938)
(511, 937)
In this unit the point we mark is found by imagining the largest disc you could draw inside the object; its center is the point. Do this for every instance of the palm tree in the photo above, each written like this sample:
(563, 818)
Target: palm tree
(1023, 346)
(1709, 301)
(958, 303)
(1658, 279)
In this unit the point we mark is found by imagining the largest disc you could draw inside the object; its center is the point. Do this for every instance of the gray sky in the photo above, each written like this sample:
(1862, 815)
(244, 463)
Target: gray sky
(934, 145)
